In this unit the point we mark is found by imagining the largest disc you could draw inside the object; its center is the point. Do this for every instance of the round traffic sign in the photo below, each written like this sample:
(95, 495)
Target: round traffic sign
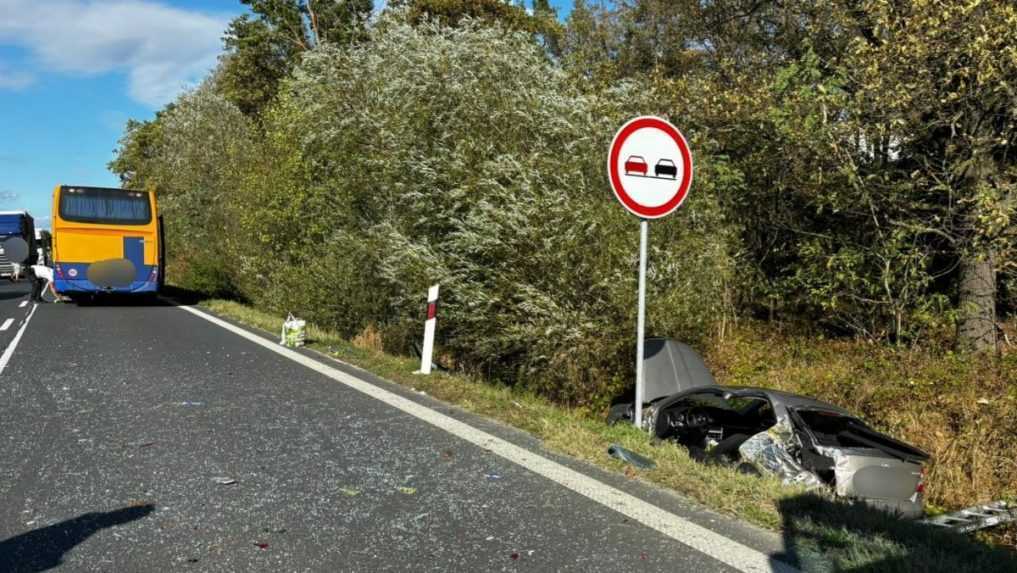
(650, 167)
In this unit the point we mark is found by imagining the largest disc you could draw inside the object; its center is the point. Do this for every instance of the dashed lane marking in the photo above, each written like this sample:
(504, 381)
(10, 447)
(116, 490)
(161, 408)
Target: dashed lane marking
(23, 304)
(9, 351)
(7, 324)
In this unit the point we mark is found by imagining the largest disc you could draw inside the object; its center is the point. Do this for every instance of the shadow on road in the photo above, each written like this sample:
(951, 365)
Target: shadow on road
(185, 297)
(43, 549)
(119, 300)
(821, 534)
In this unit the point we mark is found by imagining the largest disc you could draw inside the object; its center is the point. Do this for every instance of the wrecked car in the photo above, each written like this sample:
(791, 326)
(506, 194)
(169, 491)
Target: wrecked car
(799, 439)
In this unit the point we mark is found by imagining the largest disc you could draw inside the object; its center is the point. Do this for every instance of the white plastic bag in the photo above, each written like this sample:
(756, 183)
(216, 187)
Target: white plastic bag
(293, 332)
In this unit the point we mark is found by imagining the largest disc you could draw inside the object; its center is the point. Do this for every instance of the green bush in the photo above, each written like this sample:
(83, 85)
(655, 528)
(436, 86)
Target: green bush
(464, 157)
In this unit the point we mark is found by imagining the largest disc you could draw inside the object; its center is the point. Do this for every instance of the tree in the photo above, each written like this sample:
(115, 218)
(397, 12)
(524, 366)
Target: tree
(262, 47)
(590, 43)
(453, 12)
(135, 158)
(542, 23)
(942, 73)
(196, 166)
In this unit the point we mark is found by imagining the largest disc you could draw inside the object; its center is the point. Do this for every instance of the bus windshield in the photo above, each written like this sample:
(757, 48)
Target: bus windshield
(105, 206)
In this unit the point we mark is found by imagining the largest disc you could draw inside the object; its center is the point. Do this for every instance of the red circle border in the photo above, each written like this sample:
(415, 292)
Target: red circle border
(612, 167)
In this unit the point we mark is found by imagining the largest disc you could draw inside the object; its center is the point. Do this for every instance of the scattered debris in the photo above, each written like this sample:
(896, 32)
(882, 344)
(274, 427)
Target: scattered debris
(141, 444)
(489, 538)
(976, 517)
(349, 491)
(984, 401)
(514, 556)
(447, 454)
(261, 545)
(628, 456)
(270, 530)
(224, 480)
(408, 490)
(492, 476)
(189, 403)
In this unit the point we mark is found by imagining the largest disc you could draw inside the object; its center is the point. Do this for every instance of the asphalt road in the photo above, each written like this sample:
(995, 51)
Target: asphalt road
(117, 423)
(14, 308)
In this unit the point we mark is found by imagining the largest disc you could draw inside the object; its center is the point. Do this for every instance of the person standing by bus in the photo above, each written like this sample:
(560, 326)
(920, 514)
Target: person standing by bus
(42, 279)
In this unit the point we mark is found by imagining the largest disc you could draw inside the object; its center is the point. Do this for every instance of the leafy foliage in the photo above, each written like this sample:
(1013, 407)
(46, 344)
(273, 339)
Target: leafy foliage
(476, 165)
(262, 47)
(854, 171)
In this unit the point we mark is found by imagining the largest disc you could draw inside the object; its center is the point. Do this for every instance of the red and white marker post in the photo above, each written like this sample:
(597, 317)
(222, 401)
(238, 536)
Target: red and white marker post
(650, 168)
(429, 326)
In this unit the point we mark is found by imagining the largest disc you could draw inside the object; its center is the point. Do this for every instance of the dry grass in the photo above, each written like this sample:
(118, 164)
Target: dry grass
(369, 339)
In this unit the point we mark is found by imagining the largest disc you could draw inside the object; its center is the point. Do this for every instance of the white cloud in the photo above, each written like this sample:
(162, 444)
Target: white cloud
(161, 49)
(13, 79)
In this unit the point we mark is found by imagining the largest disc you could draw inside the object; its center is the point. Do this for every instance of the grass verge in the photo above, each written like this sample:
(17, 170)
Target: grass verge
(823, 534)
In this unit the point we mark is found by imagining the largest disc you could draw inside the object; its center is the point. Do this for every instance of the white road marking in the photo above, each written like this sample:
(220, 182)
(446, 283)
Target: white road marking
(7, 324)
(682, 530)
(23, 304)
(9, 351)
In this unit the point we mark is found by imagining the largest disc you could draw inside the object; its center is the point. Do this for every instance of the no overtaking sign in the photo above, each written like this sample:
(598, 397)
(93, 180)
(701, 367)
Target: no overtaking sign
(650, 169)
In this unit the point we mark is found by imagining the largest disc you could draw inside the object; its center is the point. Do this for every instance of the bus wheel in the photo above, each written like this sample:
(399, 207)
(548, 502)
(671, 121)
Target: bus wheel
(80, 299)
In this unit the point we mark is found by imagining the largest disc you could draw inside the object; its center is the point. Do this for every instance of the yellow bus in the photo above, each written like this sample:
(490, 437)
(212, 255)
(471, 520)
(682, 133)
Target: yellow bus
(106, 241)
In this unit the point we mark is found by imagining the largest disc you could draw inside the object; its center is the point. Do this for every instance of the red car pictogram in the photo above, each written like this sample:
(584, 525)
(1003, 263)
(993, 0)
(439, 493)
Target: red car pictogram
(636, 164)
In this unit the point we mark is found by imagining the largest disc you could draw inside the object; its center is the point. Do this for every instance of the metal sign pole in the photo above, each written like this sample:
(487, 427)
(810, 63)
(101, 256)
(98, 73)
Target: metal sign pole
(644, 231)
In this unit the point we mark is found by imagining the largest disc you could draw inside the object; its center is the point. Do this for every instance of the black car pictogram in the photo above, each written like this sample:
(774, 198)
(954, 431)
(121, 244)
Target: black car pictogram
(666, 167)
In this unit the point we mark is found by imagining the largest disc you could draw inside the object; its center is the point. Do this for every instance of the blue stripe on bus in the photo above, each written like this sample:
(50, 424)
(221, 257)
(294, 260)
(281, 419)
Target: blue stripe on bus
(64, 286)
(134, 251)
(71, 278)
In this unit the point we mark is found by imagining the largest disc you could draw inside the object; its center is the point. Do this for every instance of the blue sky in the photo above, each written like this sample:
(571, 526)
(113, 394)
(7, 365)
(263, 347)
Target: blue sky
(72, 72)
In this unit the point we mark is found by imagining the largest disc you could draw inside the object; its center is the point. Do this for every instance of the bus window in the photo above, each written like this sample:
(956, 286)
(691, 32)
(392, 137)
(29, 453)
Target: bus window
(105, 207)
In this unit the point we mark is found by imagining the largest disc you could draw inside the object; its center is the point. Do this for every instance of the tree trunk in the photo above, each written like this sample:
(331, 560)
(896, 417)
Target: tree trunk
(976, 329)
